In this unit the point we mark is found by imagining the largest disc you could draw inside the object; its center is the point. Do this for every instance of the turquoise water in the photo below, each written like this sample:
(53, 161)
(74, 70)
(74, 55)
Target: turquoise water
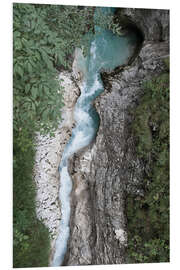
(107, 51)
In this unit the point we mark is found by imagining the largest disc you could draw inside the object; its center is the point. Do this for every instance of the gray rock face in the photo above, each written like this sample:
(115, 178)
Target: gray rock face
(109, 167)
(153, 23)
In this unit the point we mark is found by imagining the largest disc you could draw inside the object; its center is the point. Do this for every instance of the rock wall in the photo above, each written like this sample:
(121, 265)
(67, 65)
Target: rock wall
(153, 23)
(109, 167)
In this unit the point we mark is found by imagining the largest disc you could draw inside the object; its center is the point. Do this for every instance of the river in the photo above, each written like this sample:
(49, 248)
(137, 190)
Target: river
(107, 51)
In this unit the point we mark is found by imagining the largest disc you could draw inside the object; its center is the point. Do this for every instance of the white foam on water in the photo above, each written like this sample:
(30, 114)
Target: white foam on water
(80, 140)
(96, 85)
(80, 115)
(64, 194)
(93, 50)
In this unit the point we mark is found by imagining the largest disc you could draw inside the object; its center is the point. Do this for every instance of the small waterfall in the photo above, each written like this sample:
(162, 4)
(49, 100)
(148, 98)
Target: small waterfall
(106, 52)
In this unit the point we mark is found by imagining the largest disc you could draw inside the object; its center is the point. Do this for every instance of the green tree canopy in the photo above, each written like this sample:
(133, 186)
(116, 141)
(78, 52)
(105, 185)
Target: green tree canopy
(44, 37)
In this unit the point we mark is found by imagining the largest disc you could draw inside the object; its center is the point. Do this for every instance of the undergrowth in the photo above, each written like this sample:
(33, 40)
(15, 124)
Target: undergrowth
(31, 242)
(148, 216)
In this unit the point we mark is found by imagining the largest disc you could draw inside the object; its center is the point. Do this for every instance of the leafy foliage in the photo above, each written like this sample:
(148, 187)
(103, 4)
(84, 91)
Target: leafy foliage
(44, 37)
(148, 216)
(37, 96)
(106, 20)
(71, 23)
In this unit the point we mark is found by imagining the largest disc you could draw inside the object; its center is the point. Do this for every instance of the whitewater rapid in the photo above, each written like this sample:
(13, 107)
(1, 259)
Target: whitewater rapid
(87, 122)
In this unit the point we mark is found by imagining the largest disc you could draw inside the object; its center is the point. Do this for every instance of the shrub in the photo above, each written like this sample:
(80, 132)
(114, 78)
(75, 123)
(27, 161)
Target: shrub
(30, 238)
(148, 216)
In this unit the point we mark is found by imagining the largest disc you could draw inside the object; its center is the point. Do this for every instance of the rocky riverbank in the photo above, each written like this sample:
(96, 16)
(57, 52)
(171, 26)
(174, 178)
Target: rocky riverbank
(48, 155)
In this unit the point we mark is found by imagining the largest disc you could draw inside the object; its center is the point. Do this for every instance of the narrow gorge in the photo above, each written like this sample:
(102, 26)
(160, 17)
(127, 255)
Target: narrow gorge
(84, 174)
